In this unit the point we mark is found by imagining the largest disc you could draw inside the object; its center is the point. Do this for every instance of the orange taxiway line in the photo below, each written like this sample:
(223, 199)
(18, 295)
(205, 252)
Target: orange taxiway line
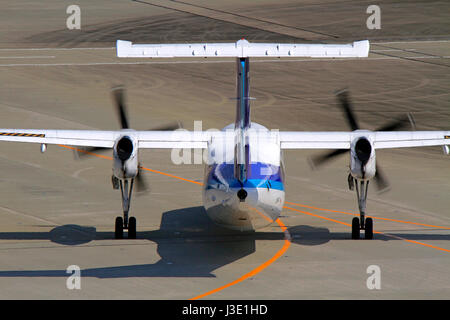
(147, 169)
(317, 216)
(386, 234)
(262, 215)
(417, 242)
(355, 214)
(257, 270)
(84, 151)
(172, 176)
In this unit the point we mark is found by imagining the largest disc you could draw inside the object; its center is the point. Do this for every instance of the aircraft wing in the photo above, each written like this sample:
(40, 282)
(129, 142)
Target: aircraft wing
(92, 138)
(175, 139)
(314, 140)
(199, 139)
(405, 139)
(106, 139)
(381, 139)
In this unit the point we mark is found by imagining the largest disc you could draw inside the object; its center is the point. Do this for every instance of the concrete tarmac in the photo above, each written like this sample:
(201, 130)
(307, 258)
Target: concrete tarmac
(57, 211)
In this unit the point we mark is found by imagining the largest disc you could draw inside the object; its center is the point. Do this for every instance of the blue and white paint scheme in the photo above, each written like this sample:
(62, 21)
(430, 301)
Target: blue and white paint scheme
(264, 183)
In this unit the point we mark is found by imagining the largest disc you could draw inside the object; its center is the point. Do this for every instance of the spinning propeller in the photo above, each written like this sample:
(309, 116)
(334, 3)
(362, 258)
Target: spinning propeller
(346, 105)
(118, 94)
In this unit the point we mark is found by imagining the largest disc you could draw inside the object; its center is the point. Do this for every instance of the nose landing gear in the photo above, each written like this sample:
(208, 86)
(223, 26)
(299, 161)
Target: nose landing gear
(125, 222)
(362, 223)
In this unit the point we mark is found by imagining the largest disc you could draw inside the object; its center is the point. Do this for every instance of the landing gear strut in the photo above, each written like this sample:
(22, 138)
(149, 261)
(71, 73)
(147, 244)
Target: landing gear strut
(126, 223)
(362, 223)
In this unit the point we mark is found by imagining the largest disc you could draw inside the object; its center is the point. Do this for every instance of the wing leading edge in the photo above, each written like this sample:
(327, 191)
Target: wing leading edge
(381, 139)
(106, 139)
(200, 139)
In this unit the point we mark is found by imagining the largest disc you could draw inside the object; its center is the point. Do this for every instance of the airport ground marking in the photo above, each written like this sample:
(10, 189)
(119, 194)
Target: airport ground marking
(377, 232)
(317, 216)
(262, 215)
(86, 152)
(28, 57)
(172, 176)
(355, 214)
(144, 168)
(258, 269)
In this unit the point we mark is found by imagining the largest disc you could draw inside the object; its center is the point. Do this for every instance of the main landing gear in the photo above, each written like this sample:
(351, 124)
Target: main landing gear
(125, 223)
(361, 223)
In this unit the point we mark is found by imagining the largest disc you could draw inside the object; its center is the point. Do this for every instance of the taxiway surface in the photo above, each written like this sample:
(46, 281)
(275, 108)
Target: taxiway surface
(58, 212)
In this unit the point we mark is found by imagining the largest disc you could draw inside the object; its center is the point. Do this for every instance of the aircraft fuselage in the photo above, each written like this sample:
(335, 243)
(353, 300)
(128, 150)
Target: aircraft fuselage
(264, 187)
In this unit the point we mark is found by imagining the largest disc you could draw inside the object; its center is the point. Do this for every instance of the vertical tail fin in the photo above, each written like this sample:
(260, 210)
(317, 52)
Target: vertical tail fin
(242, 148)
(243, 89)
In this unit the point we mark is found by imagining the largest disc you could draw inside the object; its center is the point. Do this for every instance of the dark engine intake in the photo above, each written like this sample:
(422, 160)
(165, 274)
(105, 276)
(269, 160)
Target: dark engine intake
(124, 148)
(363, 150)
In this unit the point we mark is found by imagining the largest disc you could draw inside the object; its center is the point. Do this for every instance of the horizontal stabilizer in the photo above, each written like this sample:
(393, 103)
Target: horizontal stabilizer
(242, 49)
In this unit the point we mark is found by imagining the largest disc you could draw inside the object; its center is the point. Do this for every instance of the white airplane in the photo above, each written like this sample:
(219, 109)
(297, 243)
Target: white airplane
(244, 177)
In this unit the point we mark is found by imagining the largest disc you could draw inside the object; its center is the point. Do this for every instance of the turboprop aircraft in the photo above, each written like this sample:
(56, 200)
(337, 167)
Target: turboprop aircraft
(244, 178)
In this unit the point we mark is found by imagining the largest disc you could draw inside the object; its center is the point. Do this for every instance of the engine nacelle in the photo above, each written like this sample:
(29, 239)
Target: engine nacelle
(125, 157)
(362, 158)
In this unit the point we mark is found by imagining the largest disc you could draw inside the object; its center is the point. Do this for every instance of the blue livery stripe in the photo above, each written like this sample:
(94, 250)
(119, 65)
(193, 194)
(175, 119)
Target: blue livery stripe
(260, 175)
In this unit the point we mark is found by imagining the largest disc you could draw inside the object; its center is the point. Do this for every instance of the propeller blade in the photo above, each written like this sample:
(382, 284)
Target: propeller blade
(399, 124)
(381, 180)
(412, 121)
(118, 96)
(168, 127)
(319, 160)
(345, 104)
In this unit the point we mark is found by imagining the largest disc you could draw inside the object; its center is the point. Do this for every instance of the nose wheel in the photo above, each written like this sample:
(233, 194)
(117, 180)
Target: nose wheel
(368, 228)
(125, 223)
(362, 223)
(120, 226)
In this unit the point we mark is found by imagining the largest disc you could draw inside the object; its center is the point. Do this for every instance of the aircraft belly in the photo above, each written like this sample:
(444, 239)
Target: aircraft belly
(261, 207)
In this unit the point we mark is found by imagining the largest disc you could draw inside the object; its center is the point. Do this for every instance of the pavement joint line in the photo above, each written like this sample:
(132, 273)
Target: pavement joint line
(110, 48)
(80, 64)
(28, 57)
(56, 49)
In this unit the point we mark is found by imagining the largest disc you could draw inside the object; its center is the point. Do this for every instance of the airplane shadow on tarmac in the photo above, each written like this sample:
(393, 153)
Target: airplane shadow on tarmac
(189, 245)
